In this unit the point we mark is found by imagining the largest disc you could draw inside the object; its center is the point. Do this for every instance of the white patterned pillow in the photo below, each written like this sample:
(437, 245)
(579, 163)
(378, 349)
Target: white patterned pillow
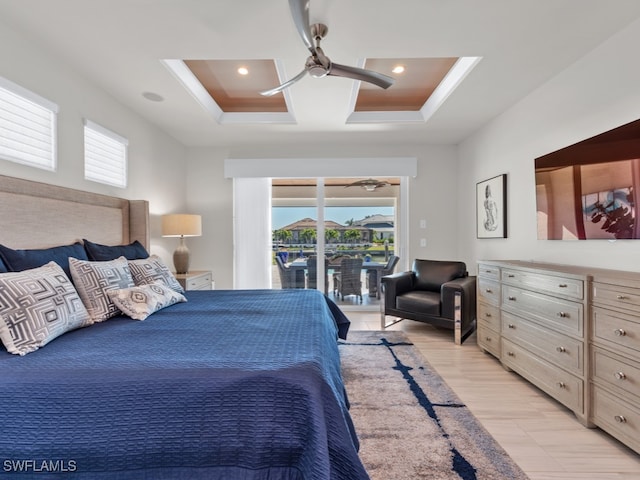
(94, 279)
(153, 270)
(141, 301)
(36, 306)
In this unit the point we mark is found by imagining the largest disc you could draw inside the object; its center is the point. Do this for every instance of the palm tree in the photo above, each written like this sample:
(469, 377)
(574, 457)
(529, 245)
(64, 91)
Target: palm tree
(283, 236)
(331, 234)
(308, 234)
(352, 235)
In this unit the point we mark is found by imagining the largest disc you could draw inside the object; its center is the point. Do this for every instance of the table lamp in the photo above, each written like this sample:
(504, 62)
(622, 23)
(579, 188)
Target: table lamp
(181, 225)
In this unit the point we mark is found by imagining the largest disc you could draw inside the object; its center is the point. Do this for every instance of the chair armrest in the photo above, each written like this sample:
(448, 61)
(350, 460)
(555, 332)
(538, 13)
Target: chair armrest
(467, 287)
(396, 284)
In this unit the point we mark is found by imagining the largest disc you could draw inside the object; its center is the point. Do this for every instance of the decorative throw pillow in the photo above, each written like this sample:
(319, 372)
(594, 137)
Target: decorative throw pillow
(153, 270)
(36, 306)
(141, 301)
(19, 260)
(94, 279)
(101, 253)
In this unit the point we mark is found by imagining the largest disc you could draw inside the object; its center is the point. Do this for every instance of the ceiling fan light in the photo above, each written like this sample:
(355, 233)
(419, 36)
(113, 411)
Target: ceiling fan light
(398, 69)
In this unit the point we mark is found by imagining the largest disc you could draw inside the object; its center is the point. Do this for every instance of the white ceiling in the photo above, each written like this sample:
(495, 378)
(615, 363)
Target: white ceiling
(118, 44)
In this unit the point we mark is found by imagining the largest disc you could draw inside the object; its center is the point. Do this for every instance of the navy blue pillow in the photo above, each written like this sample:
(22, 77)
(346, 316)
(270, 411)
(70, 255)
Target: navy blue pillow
(19, 260)
(104, 253)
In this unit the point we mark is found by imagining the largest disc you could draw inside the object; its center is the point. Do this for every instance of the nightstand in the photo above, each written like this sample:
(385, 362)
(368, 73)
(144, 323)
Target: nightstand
(195, 280)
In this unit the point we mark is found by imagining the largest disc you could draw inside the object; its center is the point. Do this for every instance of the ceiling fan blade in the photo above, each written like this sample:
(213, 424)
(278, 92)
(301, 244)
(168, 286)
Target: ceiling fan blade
(288, 83)
(369, 76)
(300, 13)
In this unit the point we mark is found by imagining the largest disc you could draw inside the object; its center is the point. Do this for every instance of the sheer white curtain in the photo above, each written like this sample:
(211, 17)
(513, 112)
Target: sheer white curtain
(251, 233)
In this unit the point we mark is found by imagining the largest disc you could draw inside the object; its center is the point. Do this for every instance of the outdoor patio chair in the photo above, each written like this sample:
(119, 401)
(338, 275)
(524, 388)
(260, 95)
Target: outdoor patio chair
(348, 281)
(312, 267)
(289, 278)
(372, 275)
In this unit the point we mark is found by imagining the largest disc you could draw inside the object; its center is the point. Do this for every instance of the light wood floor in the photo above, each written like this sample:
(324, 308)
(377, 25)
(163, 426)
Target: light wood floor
(541, 435)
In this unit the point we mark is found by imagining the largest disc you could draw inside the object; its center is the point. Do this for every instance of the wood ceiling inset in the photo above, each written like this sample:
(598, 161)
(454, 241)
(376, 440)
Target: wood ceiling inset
(411, 89)
(239, 93)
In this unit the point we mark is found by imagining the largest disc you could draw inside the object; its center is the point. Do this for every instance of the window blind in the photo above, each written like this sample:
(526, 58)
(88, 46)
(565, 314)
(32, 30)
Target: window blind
(105, 155)
(27, 127)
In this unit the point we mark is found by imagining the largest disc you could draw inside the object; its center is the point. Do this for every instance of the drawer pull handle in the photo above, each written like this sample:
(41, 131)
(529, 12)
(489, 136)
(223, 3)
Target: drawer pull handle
(488, 339)
(511, 325)
(620, 332)
(620, 419)
(488, 315)
(620, 376)
(513, 299)
(563, 285)
(563, 314)
(622, 297)
(488, 290)
(487, 271)
(511, 354)
(511, 275)
(561, 349)
(562, 385)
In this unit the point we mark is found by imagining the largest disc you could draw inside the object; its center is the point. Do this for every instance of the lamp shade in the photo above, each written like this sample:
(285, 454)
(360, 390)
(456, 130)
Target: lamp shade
(181, 225)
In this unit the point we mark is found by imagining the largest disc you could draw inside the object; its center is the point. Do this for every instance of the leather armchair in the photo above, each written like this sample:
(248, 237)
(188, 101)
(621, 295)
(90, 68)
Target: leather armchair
(437, 292)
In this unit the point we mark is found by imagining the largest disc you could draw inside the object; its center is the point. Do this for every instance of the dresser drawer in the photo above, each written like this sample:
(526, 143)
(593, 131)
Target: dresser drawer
(563, 315)
(488, 291)
(489, 271)
(617, 417)
(616, 296)
(489, 316)
(488, 340)
(561, 385)
(616, 371)
(617, 329)
(565, 287)
(566, 352)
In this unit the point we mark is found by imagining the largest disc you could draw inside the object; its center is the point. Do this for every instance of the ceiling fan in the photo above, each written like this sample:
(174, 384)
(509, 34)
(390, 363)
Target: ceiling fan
(318, 64)
(370, 184)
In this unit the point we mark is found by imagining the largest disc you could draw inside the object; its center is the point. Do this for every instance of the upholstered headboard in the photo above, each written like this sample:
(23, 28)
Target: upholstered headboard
(39, 215)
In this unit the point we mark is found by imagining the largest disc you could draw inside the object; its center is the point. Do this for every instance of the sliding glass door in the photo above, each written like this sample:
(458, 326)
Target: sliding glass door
(335, 235)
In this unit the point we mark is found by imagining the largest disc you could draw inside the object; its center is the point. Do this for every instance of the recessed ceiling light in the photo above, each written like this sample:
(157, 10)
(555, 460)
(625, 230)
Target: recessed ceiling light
(398, 69)
(243, 71)
(154, 97)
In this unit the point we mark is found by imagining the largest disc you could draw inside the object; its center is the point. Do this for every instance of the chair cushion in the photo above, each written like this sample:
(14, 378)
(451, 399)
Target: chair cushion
(419, 301)
(431, 274)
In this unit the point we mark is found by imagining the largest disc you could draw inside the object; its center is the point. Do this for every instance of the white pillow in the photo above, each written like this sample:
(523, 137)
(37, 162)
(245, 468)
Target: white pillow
(36, 306)
(94, 279)
(153, 270)
(141, 301)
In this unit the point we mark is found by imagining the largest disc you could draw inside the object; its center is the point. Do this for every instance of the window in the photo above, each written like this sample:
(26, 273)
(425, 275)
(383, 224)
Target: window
(27, 127)
(105, 155)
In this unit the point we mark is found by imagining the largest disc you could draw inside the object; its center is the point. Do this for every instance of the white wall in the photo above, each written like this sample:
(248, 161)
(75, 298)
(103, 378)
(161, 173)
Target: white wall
(433, 197)
(597, 93)
(156, 161)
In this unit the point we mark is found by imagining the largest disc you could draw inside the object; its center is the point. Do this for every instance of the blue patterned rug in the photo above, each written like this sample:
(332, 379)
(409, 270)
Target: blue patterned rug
(410, 423)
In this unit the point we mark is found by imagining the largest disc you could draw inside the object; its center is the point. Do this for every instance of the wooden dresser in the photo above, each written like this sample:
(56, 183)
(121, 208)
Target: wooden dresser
(574, 332)
(541, 332)
(615, 355)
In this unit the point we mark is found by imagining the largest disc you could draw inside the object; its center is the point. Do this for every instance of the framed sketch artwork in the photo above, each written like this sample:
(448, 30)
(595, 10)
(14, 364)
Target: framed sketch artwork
(491, 207)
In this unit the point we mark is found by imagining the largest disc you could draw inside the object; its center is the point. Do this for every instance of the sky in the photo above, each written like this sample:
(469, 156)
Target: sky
(283, 216)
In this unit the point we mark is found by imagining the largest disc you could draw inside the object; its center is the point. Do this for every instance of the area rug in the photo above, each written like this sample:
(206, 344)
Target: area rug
(410, 424)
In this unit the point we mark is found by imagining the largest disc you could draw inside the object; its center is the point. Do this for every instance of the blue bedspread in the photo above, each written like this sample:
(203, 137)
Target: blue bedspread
(234, 385)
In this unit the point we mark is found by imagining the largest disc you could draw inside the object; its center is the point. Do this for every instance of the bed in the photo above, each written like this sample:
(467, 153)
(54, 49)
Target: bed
(225, 385)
